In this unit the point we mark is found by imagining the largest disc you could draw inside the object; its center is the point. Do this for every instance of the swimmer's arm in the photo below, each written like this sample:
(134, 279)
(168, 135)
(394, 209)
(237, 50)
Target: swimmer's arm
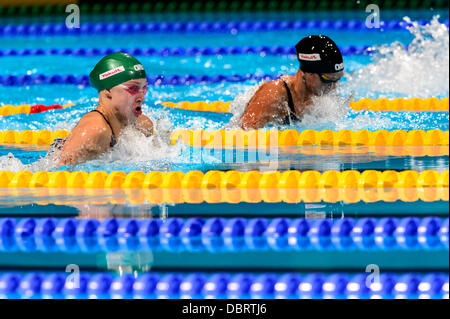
(87, 140)
(145, 125)
(264, 106)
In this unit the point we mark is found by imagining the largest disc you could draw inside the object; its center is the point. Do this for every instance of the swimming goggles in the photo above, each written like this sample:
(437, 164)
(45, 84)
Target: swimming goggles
(135, 89)
(326, 79)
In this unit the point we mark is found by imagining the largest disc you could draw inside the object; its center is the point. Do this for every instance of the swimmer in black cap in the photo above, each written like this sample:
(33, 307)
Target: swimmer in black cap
(284, 100)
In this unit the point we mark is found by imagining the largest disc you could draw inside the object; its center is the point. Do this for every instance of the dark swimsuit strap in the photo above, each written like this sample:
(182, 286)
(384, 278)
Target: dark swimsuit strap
(292, 116)
(113, 137)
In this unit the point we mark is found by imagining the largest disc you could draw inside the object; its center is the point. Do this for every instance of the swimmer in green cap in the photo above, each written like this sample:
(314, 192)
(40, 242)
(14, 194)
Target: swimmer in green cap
(122, 85)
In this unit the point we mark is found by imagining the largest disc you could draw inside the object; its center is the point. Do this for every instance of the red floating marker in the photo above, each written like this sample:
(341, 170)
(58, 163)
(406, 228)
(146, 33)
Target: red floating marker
(38, 108)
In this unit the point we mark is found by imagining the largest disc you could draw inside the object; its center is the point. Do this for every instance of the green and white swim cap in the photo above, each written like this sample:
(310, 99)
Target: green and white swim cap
(114, 69)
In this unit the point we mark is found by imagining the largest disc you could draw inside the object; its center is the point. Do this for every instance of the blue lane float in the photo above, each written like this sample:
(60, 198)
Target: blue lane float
(223, 285)
(218, 235)
(176, 51)
(89, 28)
(83, 80)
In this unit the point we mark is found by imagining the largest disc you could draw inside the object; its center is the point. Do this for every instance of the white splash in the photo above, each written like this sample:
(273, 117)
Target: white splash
(329, 108)
(237, 106)
(419, 70)
(10, 163)
(13, 164)
(132, 148)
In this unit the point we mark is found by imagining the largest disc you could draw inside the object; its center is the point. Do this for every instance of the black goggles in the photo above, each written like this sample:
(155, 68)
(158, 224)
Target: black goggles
(326, 79)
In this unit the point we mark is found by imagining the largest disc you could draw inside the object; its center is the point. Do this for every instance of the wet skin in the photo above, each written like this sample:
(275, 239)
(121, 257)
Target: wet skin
(270, 102)
(122, 107)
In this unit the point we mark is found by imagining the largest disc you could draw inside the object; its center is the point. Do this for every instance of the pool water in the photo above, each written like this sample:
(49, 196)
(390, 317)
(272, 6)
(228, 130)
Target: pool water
(403, 63)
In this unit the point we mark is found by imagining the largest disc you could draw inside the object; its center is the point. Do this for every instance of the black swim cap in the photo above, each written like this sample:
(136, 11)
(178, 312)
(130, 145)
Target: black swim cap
(319, 54)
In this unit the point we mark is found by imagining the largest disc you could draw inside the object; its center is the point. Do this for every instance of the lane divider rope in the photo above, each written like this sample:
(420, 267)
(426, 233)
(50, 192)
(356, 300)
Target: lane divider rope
(224, 285)
(41, 137)
(156, 196)
(176, 51)
(89, 28)
(190, 6)
(265, 138)
(293, 137)
(222, 235)
(395, 105)
(254, 186)
(382, 104)
(157, 80)
(6, 110)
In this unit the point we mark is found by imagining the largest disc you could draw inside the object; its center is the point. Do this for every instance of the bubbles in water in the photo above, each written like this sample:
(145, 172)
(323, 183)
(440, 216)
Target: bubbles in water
(419, 70)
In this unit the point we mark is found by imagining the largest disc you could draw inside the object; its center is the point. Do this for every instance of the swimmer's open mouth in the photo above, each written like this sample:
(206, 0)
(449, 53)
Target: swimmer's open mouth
(138, 110)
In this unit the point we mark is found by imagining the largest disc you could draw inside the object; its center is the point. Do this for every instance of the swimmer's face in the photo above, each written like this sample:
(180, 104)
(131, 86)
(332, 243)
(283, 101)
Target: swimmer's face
(128, 98)
(322, 83)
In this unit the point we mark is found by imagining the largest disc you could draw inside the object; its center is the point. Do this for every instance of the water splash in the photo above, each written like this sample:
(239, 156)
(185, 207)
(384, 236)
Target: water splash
(132, 146)
(146, 153)
(134, 152)
(419, 70)
(11, 163)
(331, 112)
(237, 106)
(325, 110)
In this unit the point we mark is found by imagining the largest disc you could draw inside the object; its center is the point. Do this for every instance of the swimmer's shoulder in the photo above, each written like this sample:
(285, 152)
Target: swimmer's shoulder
(273, 90)
(270, 95)
(93, 126)
(91, 116)
(274, 85)
(94, 120)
